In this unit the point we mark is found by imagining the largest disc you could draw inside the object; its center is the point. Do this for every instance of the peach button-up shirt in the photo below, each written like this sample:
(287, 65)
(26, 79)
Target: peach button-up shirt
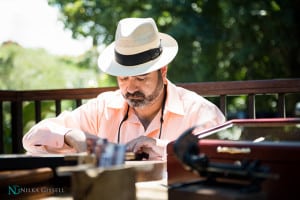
(102, 116)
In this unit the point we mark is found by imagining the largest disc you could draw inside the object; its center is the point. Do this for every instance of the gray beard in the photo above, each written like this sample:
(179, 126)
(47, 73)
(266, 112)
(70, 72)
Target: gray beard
(145, 100)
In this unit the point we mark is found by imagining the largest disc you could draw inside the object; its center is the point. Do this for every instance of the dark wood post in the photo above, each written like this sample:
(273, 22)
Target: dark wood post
(17, 126)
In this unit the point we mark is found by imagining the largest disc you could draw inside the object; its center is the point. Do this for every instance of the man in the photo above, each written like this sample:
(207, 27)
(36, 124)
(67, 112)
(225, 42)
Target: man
(147, 111)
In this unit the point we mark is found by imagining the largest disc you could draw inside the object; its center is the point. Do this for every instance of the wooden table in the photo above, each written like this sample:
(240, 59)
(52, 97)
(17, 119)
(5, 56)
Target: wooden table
(148, 190)
(150, 182)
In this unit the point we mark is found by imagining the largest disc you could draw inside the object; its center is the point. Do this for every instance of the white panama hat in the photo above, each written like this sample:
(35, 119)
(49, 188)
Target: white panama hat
(138, 49)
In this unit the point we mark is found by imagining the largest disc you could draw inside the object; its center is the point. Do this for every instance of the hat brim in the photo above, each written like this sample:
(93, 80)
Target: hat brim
(107, 63)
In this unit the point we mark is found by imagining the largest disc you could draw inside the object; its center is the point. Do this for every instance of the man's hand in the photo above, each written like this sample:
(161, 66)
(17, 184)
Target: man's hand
(78, 140)
(144, 144)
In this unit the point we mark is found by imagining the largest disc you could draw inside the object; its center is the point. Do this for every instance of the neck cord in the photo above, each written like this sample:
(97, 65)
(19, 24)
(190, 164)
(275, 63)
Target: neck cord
(161, 117)
(123, 120)
(162, 111)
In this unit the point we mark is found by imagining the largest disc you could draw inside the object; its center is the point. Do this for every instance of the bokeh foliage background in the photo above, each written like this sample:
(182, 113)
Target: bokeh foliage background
(218, 40)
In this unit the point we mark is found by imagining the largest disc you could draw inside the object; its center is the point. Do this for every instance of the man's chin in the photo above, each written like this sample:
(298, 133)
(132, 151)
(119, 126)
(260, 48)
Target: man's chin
(136, 103)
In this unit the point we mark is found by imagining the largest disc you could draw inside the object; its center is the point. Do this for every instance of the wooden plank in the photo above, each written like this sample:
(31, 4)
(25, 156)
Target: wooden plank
(8, 95)
(59, 94)
(245, 87)
(24, 161)
(22, 177)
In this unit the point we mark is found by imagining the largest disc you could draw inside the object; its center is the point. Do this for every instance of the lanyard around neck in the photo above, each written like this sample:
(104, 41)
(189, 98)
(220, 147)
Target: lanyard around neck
(161, 116)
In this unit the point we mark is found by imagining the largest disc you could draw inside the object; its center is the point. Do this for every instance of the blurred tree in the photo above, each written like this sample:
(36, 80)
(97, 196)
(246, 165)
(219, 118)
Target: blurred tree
(31, 69)
(218, 40)
(25, 69)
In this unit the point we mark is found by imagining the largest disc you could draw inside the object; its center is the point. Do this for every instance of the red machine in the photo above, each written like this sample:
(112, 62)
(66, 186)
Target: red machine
(258, 158)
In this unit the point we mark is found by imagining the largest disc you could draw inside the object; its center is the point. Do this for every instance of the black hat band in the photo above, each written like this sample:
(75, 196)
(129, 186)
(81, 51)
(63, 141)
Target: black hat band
(139, 58)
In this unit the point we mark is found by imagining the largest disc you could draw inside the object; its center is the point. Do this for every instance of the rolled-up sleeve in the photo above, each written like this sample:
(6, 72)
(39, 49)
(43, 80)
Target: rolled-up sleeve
(47, 136)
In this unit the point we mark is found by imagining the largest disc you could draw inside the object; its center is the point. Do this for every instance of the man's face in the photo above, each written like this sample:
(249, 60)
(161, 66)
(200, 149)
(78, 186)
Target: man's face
(142, 90)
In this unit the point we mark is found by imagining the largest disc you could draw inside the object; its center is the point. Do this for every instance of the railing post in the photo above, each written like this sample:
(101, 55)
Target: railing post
(57, 107)
(281, 105)
(1, 129)
(223, 104)
(251, 106)
(17, 126)
(78, 102)
(37, 111)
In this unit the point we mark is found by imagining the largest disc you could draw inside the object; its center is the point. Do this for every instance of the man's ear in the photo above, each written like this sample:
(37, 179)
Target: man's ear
(164, 71)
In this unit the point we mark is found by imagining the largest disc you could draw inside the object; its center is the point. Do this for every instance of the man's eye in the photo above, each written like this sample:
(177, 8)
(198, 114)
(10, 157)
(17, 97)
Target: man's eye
(141, 78)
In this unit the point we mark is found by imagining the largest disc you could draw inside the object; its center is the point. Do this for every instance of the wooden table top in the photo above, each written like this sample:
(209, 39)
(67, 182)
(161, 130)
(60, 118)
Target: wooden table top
(151, 182)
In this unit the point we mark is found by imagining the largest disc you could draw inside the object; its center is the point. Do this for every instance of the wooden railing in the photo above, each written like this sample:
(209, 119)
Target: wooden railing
(280, 88)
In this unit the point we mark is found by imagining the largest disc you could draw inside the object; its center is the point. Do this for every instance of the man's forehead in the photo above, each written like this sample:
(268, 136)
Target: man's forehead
(146, 74)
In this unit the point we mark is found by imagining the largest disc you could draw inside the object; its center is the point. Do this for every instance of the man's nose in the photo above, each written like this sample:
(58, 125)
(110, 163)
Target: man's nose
(132, 86)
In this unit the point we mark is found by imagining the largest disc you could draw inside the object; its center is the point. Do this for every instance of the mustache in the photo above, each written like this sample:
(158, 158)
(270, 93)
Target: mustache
(135, 94)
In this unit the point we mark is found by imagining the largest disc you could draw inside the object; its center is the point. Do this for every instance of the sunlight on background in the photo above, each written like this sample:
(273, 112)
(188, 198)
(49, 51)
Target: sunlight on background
(34, 24)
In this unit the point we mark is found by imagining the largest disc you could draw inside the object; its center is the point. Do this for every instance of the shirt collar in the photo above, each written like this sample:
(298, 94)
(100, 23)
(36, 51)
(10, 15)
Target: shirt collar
(173, 103)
